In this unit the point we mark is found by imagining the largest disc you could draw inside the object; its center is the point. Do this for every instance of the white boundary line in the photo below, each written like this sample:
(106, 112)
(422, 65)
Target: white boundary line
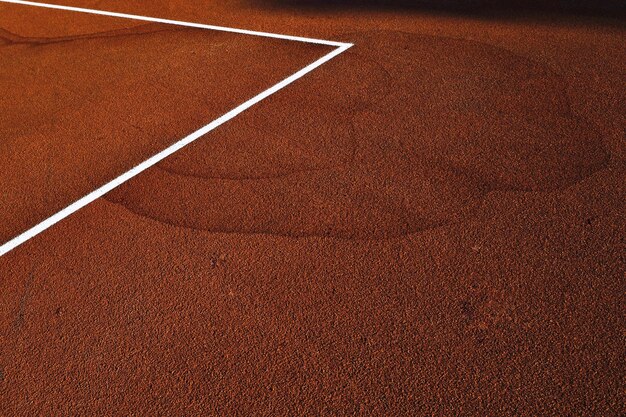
(77, 205)
(178, 23)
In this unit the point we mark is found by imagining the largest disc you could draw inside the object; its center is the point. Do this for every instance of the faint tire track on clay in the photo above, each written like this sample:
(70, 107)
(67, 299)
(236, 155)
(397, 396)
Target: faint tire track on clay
(465, 119)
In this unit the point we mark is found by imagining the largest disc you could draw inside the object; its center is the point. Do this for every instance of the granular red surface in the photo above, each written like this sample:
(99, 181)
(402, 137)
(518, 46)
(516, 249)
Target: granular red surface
(430, 224)
(81, 109)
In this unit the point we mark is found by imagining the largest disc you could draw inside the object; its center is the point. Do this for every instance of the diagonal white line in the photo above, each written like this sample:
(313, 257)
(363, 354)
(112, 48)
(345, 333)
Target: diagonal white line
(82, 202)
(178, 23)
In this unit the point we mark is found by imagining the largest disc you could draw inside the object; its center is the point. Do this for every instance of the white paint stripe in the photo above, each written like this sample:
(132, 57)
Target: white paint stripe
(13, 243)
(178, 23)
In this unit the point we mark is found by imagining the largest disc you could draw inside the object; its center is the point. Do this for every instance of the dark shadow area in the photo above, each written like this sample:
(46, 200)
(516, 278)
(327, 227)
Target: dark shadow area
(515, 8)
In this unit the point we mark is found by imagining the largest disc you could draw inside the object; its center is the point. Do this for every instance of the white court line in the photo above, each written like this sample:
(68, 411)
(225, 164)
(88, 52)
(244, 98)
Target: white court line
(178, 23)
(77, 205)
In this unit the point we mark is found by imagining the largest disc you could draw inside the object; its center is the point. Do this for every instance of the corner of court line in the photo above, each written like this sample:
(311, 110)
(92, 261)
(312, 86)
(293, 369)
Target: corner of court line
(101, 191)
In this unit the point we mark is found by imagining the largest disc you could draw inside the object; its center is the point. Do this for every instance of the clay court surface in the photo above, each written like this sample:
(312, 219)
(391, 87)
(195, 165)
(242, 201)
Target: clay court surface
(429, 223)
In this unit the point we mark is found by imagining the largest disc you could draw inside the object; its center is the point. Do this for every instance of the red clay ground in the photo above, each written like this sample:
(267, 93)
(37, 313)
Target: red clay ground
(431, 223)
(79, 110)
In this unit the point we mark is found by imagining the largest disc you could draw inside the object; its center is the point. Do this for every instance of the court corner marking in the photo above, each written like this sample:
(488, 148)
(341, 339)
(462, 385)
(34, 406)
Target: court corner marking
(340, 47)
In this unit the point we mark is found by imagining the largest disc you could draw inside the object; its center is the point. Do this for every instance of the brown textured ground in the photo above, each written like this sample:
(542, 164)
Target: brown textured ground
(432, 223)
(79, 109)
